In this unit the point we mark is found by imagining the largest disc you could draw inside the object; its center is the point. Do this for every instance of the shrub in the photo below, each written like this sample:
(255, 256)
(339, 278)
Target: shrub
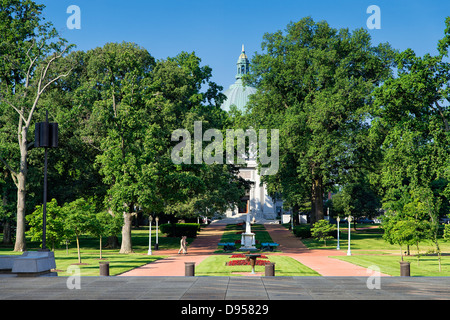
(322, 230)
(303, 231)
(178, 230)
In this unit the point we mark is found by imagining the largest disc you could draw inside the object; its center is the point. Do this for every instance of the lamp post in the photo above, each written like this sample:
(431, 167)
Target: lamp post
(156, 244)
(349, 253)
(338, 247)
(45, 136)
(150, 218)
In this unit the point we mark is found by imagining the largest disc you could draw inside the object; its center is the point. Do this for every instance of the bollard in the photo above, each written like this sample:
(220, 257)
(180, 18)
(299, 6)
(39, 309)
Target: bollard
(104, 268)
(189, 269)
(270, 269)
(405, 268)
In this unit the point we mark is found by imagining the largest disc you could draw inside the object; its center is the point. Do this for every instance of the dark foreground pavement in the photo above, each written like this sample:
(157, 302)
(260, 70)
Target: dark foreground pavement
(224, 288)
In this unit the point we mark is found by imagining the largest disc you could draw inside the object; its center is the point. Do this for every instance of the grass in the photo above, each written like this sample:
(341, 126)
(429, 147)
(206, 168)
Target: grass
(284, 266)
(367, 240)
(119, 263)
(369, 249)
(426, 267)
(233, 233)
(367, 246)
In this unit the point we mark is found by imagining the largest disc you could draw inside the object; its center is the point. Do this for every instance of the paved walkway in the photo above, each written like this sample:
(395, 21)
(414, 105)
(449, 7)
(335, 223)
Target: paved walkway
(206, 243)
(202, 247)
(136, 285)
(220, 288)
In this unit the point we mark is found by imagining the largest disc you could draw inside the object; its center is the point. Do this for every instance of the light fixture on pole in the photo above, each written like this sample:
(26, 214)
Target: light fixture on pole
(45, 136)
(349, 252)
(338, 246)
(150, 218)
(156, 244)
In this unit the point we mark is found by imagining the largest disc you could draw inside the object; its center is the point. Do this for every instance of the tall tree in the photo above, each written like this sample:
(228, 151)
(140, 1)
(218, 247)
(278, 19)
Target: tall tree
(314, 85)
(177, 101)
(29, 48)
(412, 123)
(111, 94)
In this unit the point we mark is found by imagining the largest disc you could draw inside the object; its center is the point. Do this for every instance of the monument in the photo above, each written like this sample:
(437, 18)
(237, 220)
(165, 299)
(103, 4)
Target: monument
(248, 237)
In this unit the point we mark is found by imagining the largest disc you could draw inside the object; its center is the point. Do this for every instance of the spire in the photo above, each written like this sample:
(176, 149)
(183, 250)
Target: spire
(242, 64)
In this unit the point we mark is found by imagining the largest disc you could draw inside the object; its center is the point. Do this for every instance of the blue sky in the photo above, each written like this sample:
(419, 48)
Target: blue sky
(216, 29)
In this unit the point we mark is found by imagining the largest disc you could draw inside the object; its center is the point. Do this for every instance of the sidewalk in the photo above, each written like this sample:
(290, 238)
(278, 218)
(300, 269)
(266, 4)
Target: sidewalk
(318, 260)
(206, 243)
(203, 246)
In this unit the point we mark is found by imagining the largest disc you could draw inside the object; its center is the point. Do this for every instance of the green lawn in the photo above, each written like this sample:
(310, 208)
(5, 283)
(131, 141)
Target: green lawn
(427, 266)
(369, 249)
(370, 240)
(284, 266)
(233, 233)
(119, 263)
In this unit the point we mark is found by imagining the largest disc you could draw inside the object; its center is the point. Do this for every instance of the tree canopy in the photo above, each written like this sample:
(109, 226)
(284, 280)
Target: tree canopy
(315, 83)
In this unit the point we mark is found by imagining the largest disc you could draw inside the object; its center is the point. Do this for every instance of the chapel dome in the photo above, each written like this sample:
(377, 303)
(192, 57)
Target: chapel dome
(238, 94)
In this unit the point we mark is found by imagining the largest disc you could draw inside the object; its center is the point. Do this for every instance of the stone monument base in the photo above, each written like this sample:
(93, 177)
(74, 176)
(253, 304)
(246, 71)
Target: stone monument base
(248, 242)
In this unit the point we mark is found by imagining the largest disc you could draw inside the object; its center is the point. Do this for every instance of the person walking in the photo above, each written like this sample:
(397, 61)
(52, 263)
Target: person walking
(183, 245)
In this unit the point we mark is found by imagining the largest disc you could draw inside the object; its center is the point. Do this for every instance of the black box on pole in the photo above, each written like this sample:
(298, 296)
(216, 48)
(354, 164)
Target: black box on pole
(46, 135)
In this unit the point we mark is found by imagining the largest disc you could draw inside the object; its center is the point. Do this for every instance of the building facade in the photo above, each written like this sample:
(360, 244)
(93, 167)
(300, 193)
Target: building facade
(256, 201)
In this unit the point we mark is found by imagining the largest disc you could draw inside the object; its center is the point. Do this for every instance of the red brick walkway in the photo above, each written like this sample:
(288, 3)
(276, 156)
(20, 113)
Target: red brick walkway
(206, 243)
(203, 246)
(318, 260)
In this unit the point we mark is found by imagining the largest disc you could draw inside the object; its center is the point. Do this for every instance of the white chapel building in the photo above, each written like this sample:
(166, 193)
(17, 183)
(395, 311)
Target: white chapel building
(256, 201)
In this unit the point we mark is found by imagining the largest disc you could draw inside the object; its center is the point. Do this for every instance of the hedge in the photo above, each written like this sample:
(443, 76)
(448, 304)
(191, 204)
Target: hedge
(180, 229)
(303, 231)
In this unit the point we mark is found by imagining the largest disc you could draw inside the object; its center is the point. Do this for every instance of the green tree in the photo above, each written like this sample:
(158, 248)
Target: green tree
(80, 218)
(356, 199)
(99, 227)
(399, 231)
(54, 224)
(185, 189)
(29, 48)
(130, 106)
(322, 230)
(315, 85)
(7, 194)
(412, 124)
(447, 232)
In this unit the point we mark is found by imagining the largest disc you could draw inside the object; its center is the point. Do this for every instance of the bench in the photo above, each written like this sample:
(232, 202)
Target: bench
(228, 246)
(268, 246)
(7, 261)
(34, 262)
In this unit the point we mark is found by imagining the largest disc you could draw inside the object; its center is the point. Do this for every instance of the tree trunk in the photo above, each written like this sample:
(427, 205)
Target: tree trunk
(7, 232)
(100, 247)
(78, 249)
(316, 200)
(113, 242)
(20, 244)
(6, 224)
(126, 246)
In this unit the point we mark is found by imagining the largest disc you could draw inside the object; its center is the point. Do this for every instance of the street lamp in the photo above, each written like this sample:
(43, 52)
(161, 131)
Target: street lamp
(150, 218)
(156, 244)
(338, 247)
(46, 136)
(349, 253)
